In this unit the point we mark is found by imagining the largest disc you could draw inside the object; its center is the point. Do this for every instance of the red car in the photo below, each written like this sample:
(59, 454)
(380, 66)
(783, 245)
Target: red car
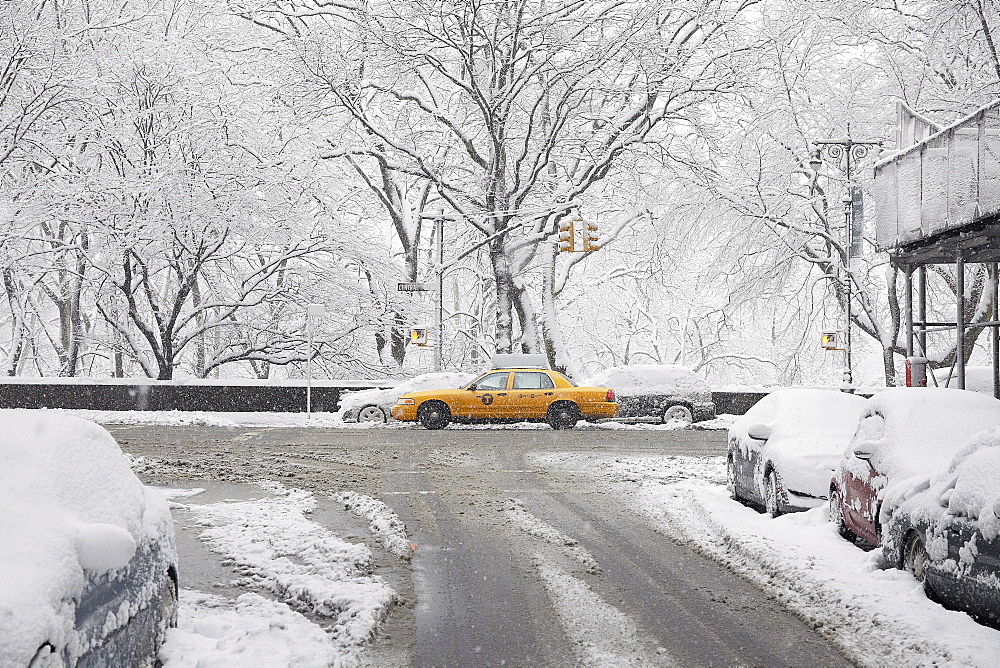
(906, 435)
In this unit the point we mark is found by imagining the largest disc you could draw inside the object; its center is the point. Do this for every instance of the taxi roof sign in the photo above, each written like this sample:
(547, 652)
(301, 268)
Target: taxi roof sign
(519, 361)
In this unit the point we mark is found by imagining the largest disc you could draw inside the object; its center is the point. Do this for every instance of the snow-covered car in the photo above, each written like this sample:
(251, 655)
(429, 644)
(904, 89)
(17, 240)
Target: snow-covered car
(376, 405)
(783, 451)
(906, 434)
(657, 393)
(88, 563)
(947, 533)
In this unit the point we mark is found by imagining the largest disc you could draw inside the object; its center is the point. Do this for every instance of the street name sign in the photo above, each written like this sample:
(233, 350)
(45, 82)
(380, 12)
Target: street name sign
(413, 287)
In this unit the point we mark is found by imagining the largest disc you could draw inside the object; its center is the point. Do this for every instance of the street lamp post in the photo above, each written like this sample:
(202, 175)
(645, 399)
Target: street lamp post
(845, 154)
(313, 311)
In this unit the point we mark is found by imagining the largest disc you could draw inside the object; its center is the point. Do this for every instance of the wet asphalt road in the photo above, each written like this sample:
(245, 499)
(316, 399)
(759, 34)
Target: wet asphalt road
(474, 584)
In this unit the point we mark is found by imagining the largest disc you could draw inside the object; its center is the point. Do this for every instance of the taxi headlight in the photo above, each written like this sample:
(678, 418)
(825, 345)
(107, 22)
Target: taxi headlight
(403, 401)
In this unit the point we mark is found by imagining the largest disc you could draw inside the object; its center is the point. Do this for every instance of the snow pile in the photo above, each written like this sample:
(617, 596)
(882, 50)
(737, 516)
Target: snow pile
(641, 379)
(387, 397)
(72, 509)
(913, 432)
(277, 547)
(384, 523)
(250, 631)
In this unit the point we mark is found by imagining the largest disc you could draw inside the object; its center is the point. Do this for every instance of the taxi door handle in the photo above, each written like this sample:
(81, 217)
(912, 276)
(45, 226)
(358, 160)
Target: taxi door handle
(548, 394)
(501, 394)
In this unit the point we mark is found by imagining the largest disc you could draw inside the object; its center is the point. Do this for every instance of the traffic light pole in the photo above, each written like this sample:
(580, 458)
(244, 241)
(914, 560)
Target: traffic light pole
(439, 312)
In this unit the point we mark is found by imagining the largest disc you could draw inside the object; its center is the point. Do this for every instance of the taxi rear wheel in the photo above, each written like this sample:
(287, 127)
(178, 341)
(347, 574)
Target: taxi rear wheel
(434, 415)
(563, 415)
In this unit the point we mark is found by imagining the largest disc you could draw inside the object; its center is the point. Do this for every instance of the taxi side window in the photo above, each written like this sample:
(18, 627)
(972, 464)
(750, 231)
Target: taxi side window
(494, 381)
(532, 380)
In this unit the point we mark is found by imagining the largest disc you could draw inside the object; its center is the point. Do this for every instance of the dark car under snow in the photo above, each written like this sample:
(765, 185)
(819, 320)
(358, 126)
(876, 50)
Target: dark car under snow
(657, 393)
(948, 534)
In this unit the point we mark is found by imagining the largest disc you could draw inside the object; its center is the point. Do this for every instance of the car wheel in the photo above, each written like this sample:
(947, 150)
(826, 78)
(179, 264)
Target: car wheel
(563, 415)
(771, 498)
(678, 415)
(168, 616)
(372, 414)
(731, 479)
(434, 415)
(915, 557)
(837, 515)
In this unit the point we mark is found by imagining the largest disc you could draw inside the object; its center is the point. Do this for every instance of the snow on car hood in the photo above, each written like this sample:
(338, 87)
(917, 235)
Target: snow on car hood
(71, 506)
(387, 397)
(921, 430)
(667, 379)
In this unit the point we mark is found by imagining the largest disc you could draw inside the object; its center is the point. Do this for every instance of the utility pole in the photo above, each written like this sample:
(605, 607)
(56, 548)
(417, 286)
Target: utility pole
(439, 311)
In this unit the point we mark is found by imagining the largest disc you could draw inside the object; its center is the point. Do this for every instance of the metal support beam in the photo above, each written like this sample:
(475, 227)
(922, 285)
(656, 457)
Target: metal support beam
(908, 306)
(922, 307)
(996, 331)
(960, 319)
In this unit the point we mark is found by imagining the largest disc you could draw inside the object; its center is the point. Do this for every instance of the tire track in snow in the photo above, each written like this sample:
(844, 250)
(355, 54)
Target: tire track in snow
(533, 526)
(601, 634)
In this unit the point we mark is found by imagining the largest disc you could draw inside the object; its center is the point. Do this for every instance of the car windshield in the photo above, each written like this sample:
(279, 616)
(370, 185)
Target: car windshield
(491, 381)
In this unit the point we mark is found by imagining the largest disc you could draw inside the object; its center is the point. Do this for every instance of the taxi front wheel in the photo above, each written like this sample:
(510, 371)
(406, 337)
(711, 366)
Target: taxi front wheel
(563, 415)
(434, 415)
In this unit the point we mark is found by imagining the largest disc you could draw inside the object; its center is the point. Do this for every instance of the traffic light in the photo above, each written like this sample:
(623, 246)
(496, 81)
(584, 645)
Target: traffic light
(590, 241)
(830, 341)
(567, 236)
(418, 336)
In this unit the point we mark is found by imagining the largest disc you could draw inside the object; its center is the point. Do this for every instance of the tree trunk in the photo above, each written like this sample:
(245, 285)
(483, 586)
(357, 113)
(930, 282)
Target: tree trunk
(552, 341)
(505, 289)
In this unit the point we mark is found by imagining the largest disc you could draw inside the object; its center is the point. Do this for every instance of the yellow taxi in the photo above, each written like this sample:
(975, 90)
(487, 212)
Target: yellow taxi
(509, 395)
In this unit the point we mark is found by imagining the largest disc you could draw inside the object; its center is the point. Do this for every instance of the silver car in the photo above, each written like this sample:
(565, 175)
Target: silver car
(375, 405)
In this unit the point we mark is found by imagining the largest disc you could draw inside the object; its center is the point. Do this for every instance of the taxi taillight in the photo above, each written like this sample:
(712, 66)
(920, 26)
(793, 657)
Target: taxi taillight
(611, 396)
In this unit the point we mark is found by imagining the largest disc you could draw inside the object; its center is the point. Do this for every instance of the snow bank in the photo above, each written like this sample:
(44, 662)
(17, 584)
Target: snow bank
(277, 547)
(72, 509)
(383, 522)
(250, 631)
(639, 379)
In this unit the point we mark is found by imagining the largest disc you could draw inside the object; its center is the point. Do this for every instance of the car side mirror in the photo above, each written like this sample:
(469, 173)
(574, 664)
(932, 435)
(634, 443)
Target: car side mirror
(863, 452)
(760, 431)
